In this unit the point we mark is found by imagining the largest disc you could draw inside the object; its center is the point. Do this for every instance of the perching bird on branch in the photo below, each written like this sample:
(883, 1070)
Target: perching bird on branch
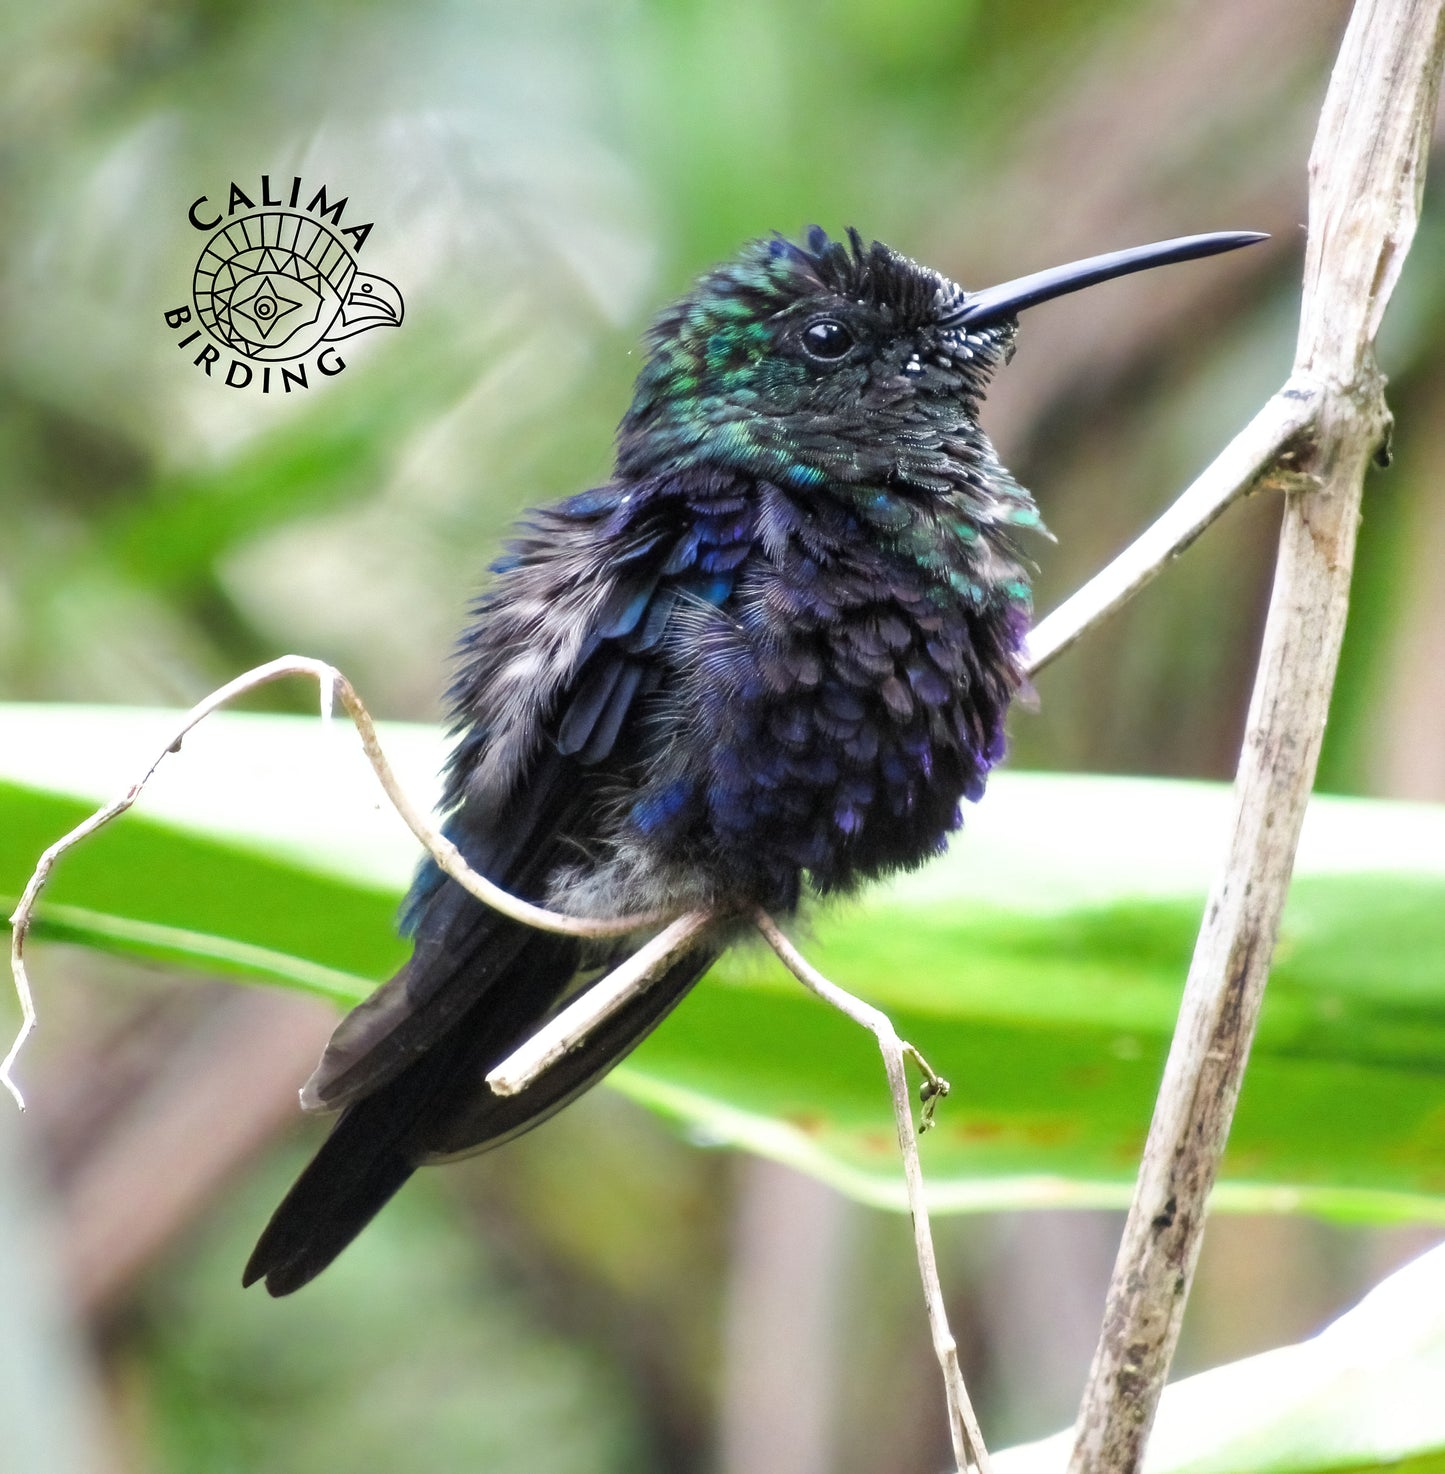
(768, 658)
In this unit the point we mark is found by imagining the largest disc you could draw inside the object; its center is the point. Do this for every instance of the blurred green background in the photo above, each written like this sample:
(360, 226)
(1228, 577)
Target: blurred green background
(604, 1295)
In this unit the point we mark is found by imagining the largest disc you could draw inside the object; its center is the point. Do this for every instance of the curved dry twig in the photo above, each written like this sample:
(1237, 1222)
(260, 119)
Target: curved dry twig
(968, 1446)
(334, 686)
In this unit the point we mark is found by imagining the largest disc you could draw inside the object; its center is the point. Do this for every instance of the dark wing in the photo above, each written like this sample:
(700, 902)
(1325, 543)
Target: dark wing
(577, 741)
(566, 650)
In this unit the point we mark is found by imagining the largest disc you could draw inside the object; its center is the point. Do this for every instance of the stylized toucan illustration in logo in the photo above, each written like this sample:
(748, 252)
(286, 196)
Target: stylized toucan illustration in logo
(275, 284)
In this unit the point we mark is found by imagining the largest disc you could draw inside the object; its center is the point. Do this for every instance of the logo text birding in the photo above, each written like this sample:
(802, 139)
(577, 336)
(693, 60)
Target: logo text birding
(277, 286)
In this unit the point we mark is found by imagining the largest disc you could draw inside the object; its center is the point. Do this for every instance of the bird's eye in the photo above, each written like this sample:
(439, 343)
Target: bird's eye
(827, 339)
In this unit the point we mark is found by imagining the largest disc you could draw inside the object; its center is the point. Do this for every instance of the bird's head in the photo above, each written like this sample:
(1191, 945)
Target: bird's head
(838, 363)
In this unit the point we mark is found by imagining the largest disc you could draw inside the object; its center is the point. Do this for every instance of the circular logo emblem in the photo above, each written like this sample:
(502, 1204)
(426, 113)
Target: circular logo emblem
(274, 285)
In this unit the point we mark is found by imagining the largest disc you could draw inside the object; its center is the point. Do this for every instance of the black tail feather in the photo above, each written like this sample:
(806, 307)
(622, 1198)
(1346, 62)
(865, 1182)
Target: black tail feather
(322, 1213)
(371, 1152)
(440, 1106)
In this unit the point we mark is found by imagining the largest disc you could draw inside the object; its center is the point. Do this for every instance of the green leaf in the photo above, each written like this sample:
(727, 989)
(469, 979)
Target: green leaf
(260, 850)
(1038, 965)
(1364, 1393)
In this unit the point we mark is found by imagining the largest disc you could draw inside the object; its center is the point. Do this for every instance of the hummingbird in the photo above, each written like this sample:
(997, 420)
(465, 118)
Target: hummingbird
(766, 661)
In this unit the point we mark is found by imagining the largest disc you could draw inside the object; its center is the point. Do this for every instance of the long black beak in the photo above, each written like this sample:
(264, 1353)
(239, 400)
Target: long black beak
(991, 305)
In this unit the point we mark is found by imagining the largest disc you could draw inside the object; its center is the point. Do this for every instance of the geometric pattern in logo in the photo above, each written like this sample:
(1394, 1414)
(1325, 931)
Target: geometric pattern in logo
(275, 284)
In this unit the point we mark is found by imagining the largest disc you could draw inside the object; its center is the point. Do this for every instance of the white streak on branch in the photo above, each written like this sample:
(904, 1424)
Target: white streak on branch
(572, 1026)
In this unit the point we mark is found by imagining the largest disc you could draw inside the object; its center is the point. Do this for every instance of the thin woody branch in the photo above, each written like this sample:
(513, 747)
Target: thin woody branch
(1251, 460)
(1367, 175)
